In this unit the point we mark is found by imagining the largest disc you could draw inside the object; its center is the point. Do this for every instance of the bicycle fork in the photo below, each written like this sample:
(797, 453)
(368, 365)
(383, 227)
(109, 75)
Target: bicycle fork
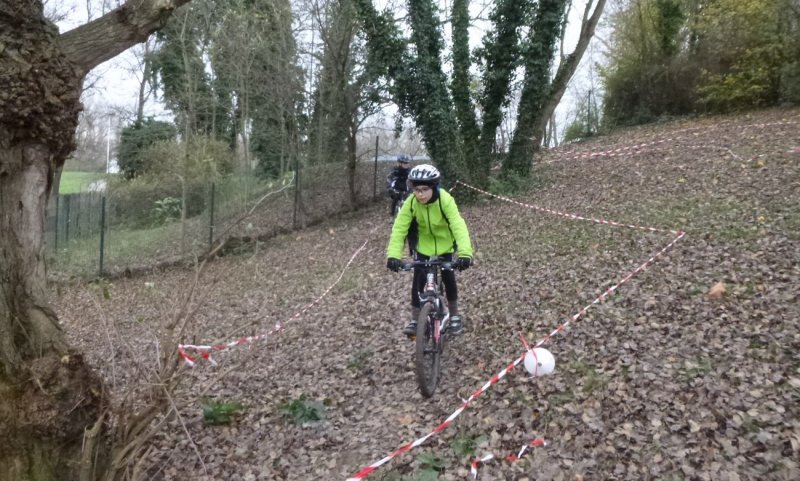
(439, 310)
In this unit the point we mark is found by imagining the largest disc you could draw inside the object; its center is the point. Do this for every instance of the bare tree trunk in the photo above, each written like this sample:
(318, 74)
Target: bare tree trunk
(351, 163)
(143, 84)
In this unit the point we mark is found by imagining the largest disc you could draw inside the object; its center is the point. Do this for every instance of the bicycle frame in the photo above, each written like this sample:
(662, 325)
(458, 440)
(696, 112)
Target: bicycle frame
(432, 325)
(432, 294)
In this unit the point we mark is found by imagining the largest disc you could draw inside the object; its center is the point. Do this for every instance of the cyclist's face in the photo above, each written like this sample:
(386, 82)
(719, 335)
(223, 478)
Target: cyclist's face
(423, 193)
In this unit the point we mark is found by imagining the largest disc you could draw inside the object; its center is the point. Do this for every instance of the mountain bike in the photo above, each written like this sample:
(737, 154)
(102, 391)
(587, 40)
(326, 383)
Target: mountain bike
(432, 325)
(398, 204)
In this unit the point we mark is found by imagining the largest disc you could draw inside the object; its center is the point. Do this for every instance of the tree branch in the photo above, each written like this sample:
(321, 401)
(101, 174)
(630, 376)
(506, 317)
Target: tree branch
(99, 40)
(570, 63)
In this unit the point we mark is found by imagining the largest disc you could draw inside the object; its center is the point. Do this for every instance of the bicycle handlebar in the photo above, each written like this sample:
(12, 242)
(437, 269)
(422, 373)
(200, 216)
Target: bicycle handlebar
(446, 266)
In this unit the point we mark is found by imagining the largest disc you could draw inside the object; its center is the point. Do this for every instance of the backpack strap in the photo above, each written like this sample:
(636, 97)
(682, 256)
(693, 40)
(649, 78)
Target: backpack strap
(441, 209)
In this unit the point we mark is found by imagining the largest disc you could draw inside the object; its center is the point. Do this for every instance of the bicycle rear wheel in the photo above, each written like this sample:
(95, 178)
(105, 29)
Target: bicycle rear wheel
(428, 359)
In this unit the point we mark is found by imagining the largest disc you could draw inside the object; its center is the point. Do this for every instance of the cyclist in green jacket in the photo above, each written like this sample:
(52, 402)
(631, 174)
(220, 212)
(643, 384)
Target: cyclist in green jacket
(441, 231)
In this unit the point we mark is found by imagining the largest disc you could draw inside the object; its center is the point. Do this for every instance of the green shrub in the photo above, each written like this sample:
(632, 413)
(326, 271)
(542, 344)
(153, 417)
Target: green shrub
(576, 130)
(215, 413)
(134, 203)
(167, 209)
(134, 141)
(201, 158)
(465, 446)
(303, 410)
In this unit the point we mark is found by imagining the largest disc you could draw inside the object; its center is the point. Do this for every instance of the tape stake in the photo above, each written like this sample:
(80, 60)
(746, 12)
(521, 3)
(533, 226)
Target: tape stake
(512, 458)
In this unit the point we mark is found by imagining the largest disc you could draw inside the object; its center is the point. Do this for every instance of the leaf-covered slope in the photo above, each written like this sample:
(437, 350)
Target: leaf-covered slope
(658, 382)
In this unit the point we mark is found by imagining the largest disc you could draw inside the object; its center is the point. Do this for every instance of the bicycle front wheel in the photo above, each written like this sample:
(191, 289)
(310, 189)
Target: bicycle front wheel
(397, 206)
(428, 358)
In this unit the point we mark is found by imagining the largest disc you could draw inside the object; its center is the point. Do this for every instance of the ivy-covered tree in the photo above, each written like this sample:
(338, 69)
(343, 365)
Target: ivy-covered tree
(500, 54)
(444, 109)
(538, 59)
(201, 102)
(462, 95)
(229, 71)
(275, 85)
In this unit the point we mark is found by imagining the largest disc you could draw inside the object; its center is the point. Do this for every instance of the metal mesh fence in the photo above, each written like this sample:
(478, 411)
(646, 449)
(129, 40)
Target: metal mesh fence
(143, 224)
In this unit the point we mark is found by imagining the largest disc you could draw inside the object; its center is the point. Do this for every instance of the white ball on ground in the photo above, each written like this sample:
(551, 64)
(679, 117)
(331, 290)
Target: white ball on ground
(539, 362)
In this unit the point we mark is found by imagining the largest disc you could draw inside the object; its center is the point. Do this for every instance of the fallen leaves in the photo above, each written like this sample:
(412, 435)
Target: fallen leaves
(659, 382)
(717, 291)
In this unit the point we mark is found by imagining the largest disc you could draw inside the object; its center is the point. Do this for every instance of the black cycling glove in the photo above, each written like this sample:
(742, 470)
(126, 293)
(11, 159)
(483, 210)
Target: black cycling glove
(393, 264)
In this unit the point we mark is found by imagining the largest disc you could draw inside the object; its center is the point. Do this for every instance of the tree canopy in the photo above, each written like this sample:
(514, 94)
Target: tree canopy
(676, 57)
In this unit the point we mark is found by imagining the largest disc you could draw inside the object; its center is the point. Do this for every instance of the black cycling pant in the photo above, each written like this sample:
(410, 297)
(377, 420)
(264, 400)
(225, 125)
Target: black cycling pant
(397, 197)
(448, 278)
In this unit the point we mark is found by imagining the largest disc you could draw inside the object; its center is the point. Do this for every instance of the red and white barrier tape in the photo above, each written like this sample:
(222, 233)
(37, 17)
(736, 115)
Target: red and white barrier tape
(205, 351)
(641, 148)
(627, 150)
(473, 470)
(363, 473)
(569, 215)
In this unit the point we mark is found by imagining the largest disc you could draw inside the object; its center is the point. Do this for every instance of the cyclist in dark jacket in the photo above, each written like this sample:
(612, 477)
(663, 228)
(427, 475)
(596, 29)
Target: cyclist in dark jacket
(396, 181)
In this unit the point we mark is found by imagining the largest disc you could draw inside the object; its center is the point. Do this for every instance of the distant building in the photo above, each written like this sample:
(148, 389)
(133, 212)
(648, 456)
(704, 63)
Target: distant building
(415, 159)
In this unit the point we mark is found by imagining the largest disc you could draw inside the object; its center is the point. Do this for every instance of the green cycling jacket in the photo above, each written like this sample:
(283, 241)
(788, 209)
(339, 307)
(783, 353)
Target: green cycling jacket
(441, 228)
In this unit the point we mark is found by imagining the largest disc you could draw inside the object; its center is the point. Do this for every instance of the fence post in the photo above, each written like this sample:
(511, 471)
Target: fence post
(211, 218)
(89, 218)
(375, 175)
(78, 216)
(55, 241)
(68, 200)
(102, 233)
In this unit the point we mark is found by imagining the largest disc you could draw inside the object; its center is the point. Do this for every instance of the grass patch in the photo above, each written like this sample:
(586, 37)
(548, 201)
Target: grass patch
(592, 380)
(73, 182)
(303, 410)
(724, 219)
(124, 247)
(693, 369)
(696, 291)
(429, 469)
(127, 246)
(351, 282)
(561, 398)
(788, 217)
(466, 445)
(564, 237)
(359, 360)
(217, 413)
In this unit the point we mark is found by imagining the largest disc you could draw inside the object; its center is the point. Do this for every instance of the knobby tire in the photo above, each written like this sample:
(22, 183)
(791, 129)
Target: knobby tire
(428, 355)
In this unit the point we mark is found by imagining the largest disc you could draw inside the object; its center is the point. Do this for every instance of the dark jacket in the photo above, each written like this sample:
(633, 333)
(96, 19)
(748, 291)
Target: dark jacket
(397, 179)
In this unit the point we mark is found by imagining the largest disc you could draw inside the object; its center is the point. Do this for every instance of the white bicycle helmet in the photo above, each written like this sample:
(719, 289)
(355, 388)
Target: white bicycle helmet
(424, 174)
